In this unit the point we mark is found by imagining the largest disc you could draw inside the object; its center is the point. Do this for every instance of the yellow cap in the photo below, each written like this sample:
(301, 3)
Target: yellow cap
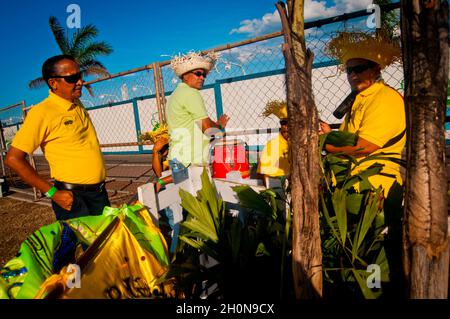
(277, 108)
(153, 136)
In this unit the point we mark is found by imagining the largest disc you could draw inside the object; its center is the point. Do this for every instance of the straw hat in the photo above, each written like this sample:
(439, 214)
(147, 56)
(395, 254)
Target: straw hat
(182, 64)
(352, 45)
(159, 131)
(277, 108)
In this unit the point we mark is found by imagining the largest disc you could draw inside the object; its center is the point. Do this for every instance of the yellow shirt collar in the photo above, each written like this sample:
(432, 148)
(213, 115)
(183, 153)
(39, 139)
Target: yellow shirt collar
(65, 104)
(372, 89)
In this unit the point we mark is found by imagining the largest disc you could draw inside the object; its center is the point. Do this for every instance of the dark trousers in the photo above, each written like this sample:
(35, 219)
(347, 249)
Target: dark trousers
(84, 204)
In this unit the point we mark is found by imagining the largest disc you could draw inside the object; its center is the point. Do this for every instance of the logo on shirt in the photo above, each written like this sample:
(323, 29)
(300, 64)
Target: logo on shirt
(68, 121)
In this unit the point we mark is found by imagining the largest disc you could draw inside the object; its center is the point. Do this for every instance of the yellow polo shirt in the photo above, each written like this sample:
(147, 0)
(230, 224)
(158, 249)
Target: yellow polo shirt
(67, 138)
(378, 115)
(274, 160)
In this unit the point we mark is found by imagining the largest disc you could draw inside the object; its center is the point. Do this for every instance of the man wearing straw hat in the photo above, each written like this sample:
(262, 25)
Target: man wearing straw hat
(376, 113)
(274, 161)
(187, 118)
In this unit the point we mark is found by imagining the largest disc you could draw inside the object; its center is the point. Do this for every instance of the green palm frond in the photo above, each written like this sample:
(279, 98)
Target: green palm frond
(37, 83)
(81, 47)
(94, 69)
(83, 36)
(59, 34)
(87, 54)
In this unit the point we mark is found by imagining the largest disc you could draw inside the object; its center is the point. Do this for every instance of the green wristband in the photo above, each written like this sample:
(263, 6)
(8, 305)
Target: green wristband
(51, 192)
(160, 182)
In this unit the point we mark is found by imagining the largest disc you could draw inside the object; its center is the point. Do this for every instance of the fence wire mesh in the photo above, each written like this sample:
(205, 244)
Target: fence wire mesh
(245, 78)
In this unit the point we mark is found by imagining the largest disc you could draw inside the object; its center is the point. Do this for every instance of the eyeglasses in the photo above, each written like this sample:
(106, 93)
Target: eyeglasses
(283, 122)
(72, 79)
(358, 68)
(200, 73)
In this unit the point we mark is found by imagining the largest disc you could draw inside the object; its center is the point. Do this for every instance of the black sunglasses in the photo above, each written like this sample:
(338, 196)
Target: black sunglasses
(72, 79)
(200, 73)
(283, 122)
(358, 68)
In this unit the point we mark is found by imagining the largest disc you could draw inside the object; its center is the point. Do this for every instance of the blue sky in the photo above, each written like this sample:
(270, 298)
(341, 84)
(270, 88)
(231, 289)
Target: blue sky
(139, 31)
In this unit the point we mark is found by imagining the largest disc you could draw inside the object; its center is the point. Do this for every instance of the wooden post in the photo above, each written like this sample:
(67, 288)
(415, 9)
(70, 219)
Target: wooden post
(425, 62)
(159, 90)
(304, 155)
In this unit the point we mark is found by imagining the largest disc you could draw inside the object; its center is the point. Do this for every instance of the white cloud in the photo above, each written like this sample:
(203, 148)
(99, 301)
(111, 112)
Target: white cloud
(268, 23)
(248, 53)
(314, 10)
(347, 6)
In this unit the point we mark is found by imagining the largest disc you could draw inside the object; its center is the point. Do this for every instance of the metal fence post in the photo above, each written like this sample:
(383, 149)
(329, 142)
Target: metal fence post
(218, 99)
(137, 122)
(3, 149)
(36, 192)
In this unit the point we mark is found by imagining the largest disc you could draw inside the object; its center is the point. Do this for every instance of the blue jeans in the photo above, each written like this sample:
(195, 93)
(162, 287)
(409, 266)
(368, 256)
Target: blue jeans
(84, 204)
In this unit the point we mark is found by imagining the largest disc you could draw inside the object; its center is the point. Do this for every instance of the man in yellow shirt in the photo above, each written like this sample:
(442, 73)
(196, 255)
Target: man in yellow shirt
(62, 128)
(274, 161)
(377, 114)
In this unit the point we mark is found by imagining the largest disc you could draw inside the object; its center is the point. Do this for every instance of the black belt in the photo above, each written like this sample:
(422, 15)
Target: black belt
(80, 187)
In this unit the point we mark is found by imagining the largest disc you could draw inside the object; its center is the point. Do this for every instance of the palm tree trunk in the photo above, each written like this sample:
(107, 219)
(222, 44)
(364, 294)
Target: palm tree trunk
(304, 154)
(425, 59)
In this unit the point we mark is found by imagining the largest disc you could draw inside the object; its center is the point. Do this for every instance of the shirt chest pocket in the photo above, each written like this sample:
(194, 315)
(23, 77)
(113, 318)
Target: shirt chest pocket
(68, 125)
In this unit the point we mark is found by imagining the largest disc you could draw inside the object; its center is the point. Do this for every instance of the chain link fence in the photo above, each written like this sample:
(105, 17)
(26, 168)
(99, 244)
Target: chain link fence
(247, 75)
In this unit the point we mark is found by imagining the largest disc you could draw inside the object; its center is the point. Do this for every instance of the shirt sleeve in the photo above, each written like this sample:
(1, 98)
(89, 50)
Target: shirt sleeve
(31, 134)
(383, 119)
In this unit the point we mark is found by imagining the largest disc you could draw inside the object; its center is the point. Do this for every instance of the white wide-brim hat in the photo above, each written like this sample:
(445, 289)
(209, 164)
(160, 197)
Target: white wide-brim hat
(182, 64)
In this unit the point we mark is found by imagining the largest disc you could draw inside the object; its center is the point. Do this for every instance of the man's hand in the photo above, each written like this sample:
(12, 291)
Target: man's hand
(160, 144)
(63, 199)
(223, 120)
(324, 128)
(158, 187)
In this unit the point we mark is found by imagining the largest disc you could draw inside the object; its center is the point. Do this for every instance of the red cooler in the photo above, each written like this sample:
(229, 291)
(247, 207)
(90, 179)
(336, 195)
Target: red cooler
(230, 155)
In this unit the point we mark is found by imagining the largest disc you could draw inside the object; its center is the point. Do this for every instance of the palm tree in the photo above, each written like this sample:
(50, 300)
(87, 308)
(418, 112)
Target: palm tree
(81, 48)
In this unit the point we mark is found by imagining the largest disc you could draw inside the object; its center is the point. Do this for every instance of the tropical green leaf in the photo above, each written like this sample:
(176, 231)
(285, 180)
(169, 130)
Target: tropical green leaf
(208, 195)
(339, 205)
(382, 261)
(253, 200)
(361, 278)
(198, 227)
(354, 202)
(198, 209)
(365, 223)
(202, 246)
(341, 138)
(333, 228)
